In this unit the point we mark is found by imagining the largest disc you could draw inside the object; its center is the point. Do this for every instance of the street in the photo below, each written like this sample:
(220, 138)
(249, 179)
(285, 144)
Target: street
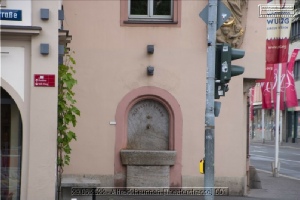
(262, 156)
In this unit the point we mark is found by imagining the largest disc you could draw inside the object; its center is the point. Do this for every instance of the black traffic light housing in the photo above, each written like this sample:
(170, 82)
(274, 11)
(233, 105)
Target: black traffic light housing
(224, 70)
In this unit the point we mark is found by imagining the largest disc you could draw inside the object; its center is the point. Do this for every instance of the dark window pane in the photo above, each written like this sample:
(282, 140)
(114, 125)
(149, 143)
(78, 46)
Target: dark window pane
(162, 7)
(138, 7)
(297, 70)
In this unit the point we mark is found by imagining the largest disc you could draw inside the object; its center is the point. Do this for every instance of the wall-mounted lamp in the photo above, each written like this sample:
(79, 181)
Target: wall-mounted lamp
(150, 70)
(150, 49)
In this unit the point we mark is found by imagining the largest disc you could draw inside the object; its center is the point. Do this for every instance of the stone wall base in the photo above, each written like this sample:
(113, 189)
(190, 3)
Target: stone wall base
(236, 185)
(148, 176)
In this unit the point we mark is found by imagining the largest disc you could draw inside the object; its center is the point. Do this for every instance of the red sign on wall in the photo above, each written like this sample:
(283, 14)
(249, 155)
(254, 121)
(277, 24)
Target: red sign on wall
(44, 80)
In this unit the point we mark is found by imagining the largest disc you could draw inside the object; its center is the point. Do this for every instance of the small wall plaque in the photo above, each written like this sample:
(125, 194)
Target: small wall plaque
(44, 80)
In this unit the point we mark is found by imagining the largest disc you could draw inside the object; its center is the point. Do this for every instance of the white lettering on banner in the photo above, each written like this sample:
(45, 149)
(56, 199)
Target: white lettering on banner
(267, 87)
(277, 47)
(289, 80)
(286, 81)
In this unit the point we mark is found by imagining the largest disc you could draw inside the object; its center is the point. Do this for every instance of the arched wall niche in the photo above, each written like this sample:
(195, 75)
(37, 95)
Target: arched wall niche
(14, 95)
(12, 135)
(175, 130)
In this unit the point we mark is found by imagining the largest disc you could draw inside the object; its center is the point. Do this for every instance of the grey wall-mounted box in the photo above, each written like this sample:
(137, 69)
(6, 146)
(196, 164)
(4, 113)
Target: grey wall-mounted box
(44, 13)
(60, 59)
(44, 49)
(150, 70)
(150, 49)
(61, 15)
(61, 49)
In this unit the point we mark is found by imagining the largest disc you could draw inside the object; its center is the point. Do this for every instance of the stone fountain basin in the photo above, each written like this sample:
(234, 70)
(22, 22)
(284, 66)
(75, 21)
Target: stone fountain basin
(148, 157)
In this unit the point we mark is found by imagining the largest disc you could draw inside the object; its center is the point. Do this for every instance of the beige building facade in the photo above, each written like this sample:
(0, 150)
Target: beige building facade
(29, 63)
(110, 42)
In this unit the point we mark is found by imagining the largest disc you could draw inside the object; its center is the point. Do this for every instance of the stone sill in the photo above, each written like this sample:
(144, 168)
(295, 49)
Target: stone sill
(148, 157)
(79, 182)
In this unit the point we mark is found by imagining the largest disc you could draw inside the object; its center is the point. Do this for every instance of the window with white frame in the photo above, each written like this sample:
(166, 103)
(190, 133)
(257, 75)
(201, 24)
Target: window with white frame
(161, 10)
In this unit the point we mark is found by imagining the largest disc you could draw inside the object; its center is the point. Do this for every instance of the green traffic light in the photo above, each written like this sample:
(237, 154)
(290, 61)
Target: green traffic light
(237, 70)
(224, 70)
(237, 54)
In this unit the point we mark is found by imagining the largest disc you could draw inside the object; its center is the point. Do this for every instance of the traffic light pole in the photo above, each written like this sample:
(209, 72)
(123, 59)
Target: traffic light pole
(209, 176)
(276, 164)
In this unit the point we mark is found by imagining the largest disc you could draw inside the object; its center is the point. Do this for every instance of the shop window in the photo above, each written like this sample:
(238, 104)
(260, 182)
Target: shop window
(297, 70)
(11, 148)
(165, 12)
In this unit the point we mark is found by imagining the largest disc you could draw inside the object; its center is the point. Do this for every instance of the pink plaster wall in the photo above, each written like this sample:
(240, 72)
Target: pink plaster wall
(112, 61)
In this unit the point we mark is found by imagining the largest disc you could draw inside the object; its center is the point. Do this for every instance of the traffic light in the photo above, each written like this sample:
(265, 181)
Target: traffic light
(224, 70)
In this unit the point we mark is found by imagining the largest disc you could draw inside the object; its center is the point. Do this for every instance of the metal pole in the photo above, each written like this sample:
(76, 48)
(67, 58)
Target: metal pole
(280, 127)
(209, 176)
(276, 164)
(263, 125)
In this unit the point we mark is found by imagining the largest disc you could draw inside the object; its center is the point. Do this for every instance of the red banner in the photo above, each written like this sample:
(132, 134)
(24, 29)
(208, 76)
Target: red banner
(284, 45)
(282, 84)
(269, 73)
(266, 95)
(291, 95)
(277, 48)
(278, 32)
(285, 27)
(273, 36)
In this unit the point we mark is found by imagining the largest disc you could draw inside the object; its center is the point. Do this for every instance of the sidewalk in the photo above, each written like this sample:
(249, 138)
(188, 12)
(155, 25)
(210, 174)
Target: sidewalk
(272, 188)
(283, 144)
(276, 188)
